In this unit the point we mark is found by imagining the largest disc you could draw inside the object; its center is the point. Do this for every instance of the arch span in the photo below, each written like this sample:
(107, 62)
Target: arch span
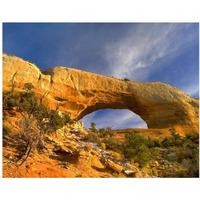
(80, 93)
(115, 118)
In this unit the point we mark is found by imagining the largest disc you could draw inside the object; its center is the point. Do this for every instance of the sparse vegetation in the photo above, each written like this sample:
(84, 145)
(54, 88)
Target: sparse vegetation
(140, 150)
(6, 129)
(136, 149)
(91, 137)
(28, 86)
(37, 119)
(126, 79)
(93, 127)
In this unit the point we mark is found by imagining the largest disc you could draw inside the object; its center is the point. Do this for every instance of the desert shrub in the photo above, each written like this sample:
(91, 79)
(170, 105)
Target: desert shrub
(136, 148)
(29, 103)
(5, 98)
(190, 159)
(11, 103)
(179, 142)
(9, 100)
(157, 143)
(172, 130)
(113, 144)
(106, 132)
(195, 136)
(136, 131)
(93, 127)
(55, 121)
(167, 143)
(176, 136)
(31, 136)
(126, 79)
(139, 154)
(188, 136)
(194, 167)
(150, 143)
(6, 129)
(109, 131)
(192, 137)
(67, 119)
(91, 137)
(47, 120)
(102, 132)
(28, 86)
(191, 146)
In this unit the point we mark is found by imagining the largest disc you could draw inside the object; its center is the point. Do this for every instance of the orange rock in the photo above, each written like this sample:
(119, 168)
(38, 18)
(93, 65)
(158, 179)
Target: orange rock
(111, 165)
(80, 93)
(137, 175)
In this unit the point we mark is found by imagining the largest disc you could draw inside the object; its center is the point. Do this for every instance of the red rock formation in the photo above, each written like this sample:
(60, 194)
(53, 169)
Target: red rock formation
(80, 93)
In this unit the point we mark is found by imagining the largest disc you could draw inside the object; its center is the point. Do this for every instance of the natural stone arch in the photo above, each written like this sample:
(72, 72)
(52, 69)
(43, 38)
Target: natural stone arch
(79, 93)
(114, 118)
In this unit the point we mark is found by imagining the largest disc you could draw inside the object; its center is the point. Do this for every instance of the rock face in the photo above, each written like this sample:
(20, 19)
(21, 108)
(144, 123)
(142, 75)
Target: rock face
(80, 93)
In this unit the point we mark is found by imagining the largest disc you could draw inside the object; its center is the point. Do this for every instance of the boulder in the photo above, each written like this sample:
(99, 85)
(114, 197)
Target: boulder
(111, 165)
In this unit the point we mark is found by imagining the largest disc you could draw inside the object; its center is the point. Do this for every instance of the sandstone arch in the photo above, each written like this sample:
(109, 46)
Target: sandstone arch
(115, 118)
(80, 93)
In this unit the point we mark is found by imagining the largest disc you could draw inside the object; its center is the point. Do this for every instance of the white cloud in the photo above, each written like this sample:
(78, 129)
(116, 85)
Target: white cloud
(117, 119)
(191, 90)
(145, 45)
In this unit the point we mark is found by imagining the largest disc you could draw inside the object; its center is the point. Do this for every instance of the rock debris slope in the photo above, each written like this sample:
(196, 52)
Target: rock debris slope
(80, 93)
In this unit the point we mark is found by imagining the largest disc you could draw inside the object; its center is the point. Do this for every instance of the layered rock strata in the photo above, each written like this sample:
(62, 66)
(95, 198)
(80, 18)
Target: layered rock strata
(80, 93)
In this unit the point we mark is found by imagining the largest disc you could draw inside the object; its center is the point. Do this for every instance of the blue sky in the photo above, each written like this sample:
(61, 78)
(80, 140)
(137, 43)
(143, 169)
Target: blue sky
(144, 52)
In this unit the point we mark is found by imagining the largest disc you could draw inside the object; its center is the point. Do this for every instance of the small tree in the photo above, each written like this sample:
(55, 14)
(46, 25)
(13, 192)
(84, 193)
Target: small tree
(136, 148)
(28, 86)
(30, 134)
(167, 142)
(93, 127)
(101, 132)
(109, 131)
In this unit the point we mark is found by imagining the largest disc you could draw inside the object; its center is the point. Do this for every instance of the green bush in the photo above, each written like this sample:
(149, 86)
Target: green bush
(136, 148)
(113, 144)
(106, 132)
(167, 142)
(10, 100)
(179, 142)
(93, 127)
(157, 143)
(91, 137)
(176, 136)
(188, 136)
(126, 79)
(102, 132)
(28, 86)
(29, 103)
(12, 103)
(67, 119)
(150, 143)
(6, 129)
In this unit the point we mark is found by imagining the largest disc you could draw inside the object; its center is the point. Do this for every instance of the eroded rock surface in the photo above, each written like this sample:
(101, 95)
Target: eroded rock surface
(80, 93)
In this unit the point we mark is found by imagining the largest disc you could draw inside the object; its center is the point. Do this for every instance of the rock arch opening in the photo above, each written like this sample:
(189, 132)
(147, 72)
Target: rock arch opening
(115, 118)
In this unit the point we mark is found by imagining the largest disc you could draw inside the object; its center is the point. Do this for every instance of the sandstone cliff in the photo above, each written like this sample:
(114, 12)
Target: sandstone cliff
(80, 93)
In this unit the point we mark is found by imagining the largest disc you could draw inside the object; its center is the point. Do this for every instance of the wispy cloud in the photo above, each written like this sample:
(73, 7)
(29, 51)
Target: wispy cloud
(144, 46)
(120, 119)
(191, 90)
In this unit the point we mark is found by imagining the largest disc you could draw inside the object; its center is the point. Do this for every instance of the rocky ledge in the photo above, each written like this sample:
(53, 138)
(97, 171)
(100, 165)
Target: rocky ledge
(80, 93)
